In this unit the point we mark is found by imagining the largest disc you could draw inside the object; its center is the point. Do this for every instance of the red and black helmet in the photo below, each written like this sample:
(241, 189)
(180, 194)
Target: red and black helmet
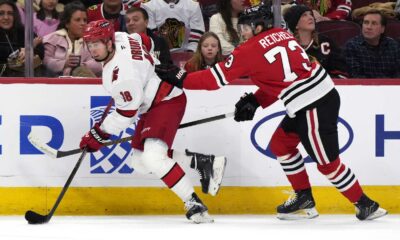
(99, 30)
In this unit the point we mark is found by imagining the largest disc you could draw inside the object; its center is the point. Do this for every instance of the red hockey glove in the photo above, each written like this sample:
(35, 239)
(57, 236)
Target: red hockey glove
(171, 74)
(94, 139)
(246, 107)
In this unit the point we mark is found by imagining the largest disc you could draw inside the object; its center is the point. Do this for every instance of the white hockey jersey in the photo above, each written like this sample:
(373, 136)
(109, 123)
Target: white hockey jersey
(130, 79)
(169, 18)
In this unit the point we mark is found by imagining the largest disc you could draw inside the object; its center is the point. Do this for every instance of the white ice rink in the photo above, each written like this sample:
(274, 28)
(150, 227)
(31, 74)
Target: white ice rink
(226, 227)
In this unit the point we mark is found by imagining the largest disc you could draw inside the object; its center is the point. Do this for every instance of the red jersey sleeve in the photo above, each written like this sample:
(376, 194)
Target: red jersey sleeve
(264, 99)
(220, 74)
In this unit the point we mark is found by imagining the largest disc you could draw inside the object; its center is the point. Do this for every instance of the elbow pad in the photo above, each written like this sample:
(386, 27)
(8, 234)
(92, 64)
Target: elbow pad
(115, 123)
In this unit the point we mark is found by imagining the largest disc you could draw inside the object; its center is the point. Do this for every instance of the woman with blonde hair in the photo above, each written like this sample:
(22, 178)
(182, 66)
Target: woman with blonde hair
(301, 22)
(208, 53)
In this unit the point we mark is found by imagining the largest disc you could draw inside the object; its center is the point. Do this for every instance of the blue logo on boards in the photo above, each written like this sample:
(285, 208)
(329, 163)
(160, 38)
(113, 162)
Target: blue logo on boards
(115, 158)
(267, 152)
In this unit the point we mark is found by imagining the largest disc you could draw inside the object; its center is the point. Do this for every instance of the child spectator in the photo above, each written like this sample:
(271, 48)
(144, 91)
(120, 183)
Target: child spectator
(207, 54)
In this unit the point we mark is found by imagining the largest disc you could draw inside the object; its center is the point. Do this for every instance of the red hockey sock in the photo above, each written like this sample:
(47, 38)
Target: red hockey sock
(343, 179)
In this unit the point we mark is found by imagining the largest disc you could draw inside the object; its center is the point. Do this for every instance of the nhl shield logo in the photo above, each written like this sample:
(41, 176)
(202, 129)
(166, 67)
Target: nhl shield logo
(114, 159)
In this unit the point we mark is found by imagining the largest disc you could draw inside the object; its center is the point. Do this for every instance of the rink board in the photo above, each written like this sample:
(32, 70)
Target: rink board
(59, 114)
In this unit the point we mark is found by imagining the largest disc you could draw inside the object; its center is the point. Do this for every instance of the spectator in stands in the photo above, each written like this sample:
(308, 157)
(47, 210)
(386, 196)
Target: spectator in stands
(325, 10)
(207, 54)
(112, 10)
(372, 54)
(301, 22)
(12, 42)
(137, 20)
(180, 22)
(46, 19)
(224, 24)
(65, 51)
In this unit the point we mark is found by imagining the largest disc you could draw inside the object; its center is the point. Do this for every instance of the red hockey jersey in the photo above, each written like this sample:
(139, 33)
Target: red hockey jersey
(277, 64)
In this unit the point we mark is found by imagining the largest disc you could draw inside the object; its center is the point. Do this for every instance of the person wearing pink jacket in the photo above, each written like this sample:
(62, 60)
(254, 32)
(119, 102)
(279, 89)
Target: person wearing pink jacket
(65, 50)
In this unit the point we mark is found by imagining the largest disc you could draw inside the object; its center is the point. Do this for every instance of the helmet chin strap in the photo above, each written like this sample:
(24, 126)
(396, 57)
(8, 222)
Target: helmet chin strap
(106, 57)
(102, 60)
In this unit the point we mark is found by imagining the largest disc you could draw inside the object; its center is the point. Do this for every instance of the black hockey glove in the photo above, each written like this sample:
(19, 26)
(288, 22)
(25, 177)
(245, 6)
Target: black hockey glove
(171, 74)
(246, 107)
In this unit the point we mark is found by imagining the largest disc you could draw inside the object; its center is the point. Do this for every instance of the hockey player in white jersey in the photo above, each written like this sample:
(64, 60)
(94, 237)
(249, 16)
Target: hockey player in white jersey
(180, 22)
(128, 75)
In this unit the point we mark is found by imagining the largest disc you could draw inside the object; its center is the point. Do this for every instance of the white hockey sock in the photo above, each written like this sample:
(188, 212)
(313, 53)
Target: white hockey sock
(181, 158)
(155, 159)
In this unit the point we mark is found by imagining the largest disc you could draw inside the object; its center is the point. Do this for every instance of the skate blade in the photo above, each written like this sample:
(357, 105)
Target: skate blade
(203, 217)
(308, 213)
(380, 212)
(216, 180)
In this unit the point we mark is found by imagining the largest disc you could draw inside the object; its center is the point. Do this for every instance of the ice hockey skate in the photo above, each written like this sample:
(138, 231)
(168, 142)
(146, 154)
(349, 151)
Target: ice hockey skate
(211, 170)
(300, 205)
(367, 209)
(197, 211)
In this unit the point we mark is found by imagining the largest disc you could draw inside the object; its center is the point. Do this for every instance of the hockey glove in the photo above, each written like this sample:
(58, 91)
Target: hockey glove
(246, 107)
(94, 139)
(171, 74)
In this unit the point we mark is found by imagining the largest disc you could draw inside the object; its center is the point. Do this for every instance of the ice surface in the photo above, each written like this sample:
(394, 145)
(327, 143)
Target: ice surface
(226, 227)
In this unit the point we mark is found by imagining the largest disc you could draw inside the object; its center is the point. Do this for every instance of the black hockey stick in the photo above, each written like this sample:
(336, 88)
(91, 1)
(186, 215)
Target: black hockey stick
(36, 218)
(59, 153)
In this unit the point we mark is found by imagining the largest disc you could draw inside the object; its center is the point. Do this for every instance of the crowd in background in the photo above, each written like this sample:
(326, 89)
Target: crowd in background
(204, 32)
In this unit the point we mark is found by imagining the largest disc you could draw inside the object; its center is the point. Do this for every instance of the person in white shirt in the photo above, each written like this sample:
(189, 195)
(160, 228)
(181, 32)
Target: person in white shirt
(224, 24)
(180, 22)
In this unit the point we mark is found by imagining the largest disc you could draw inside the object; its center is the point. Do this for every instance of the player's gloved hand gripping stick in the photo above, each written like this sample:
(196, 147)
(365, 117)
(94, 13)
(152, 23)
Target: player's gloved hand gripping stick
(36, 218)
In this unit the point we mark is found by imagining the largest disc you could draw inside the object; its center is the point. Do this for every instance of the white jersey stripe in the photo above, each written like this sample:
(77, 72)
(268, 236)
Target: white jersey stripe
(221, 73)
(287, 173)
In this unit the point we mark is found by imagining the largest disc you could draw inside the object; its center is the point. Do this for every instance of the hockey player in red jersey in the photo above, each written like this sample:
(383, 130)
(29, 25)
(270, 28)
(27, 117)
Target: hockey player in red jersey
(128, 75)
(282, 70)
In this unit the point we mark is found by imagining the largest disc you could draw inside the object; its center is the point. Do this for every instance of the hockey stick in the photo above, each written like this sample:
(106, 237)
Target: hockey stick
(59, 153)
(36, 218)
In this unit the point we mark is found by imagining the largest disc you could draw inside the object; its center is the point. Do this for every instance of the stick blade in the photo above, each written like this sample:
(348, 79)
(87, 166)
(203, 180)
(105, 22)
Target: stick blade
(35, 218)
(41, 146)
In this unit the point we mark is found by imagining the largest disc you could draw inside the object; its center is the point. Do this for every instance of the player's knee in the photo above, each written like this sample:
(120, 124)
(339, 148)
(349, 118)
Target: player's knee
(276, 145)
(330, 168)
(154, 155)
(137, 162)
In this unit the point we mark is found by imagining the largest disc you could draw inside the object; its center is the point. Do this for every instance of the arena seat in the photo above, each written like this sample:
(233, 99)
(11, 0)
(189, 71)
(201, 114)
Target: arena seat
(393, 29)
(339, 31)
(180, 58)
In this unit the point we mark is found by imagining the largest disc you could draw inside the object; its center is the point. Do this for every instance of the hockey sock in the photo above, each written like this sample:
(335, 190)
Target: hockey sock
(178, 182)
(343, 179)
(155, 160)
(293, 166)
(181, 158)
